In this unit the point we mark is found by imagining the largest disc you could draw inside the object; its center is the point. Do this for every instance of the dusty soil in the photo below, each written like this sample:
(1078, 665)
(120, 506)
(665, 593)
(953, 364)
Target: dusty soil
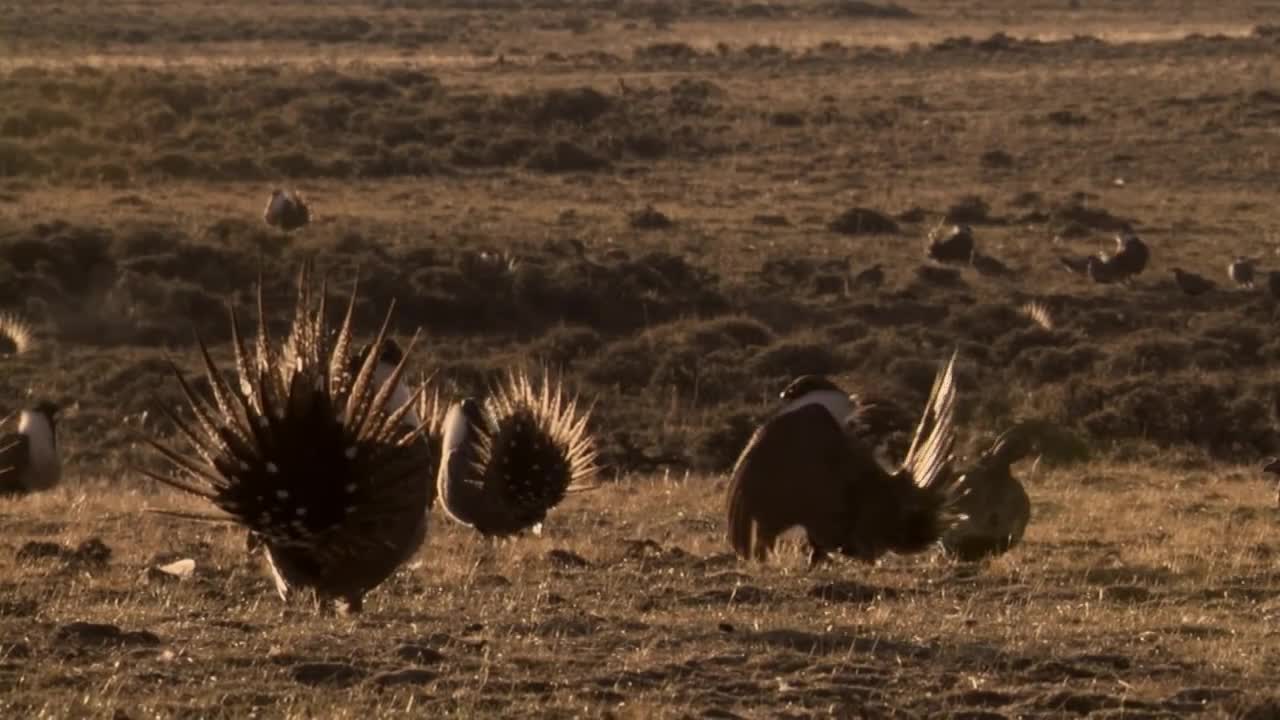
(668, 202)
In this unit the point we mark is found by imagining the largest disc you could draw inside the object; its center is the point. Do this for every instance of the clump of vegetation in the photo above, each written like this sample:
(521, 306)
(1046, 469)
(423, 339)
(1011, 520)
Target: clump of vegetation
(863, 221)
(969, 210)
(649, 218)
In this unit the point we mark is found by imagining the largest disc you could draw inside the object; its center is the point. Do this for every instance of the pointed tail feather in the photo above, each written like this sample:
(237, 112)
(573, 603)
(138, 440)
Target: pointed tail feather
(929, 488)
(318, 466)
(930, 450)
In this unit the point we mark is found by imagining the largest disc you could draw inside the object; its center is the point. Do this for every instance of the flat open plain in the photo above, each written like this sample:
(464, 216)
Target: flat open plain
(654, 198)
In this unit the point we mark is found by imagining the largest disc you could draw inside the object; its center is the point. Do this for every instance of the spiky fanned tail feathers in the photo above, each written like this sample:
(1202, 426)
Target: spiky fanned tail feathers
(308, 456)
(17, 332)
(533, 447)
(928, 486)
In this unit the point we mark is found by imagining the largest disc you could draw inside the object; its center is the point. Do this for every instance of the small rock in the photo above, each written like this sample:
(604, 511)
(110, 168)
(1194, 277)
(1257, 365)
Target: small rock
(725, 627)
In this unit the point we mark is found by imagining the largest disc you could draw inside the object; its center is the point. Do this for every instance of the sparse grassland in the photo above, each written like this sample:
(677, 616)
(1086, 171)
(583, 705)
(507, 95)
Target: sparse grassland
(654, 198)
(630, 606)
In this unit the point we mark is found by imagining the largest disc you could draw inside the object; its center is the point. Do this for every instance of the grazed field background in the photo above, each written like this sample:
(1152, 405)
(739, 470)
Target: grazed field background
(651, 197)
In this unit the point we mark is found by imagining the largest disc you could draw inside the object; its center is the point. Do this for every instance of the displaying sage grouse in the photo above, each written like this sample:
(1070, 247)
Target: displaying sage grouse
(1101, 270)
(29, 458)
(1131, 257)
(389, 359)
(953, 246)
(870, 419)
(1242, 271)
(310, 457)
(287, 210)
(995, 505)
(507, 461)
(801, 468)
(16, 336)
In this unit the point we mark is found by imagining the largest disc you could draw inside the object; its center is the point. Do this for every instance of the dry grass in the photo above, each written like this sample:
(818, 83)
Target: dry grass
(629, 606)
(486, 168)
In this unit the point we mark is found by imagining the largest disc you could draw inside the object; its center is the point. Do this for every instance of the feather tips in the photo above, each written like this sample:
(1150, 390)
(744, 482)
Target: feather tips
(308, 458)
(930, 450)
(516, 457)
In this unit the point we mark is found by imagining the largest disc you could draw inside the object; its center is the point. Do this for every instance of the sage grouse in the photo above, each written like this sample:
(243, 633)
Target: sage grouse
(1191, 283)
(507, 461)
(16, 336)
(1273, 467)
(29, 458)
(286, 210)
(1242, 271)
(389, 358)
(309, 456)
(953, 246)
(995, 505)
(801, 468)
(1131, 257)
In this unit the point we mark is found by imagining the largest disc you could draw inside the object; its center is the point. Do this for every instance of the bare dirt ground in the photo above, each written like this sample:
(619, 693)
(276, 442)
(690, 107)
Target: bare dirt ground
(648, 196)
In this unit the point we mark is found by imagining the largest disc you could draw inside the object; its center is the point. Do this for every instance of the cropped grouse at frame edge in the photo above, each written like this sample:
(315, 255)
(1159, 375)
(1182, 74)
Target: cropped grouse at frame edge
(29, 459)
